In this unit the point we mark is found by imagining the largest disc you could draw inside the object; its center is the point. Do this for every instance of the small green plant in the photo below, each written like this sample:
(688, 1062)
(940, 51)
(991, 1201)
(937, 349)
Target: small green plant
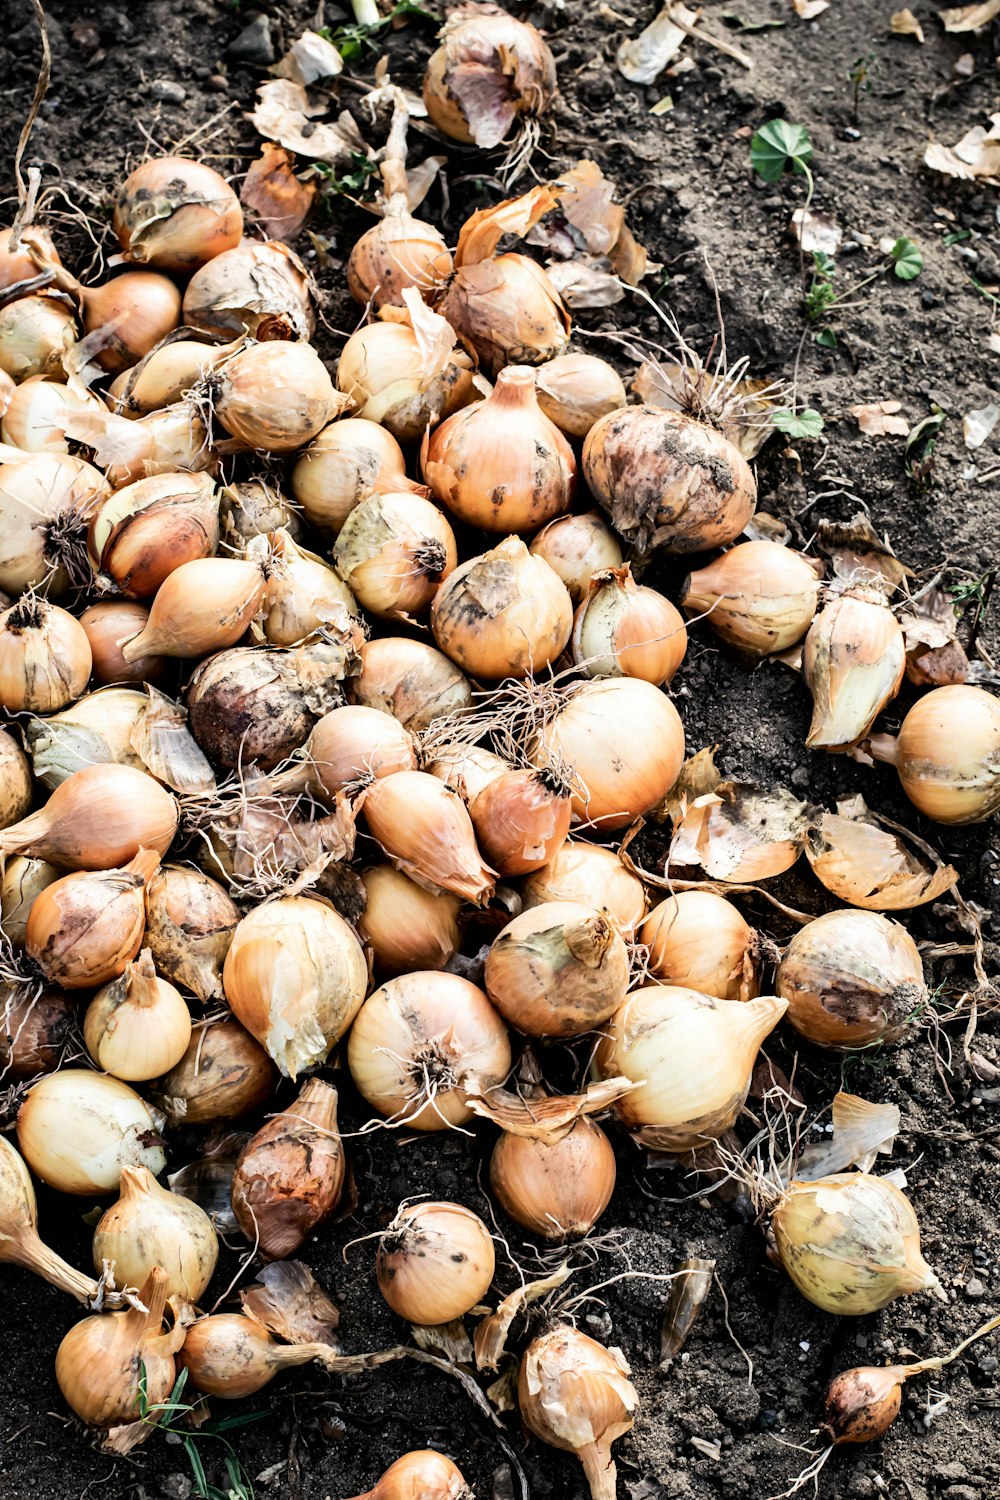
(798, 424)
(863, 70)
(779, 146)
(163, 1415)
(822, 297)
(822, 294)
(354, 41)
(347, 184)
(918, 454)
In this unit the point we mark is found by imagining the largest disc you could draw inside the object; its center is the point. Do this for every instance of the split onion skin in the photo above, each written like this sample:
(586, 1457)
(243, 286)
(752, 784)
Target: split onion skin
(176, 214)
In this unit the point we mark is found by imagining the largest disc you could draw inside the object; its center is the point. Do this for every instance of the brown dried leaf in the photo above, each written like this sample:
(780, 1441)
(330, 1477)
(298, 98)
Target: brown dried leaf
(274, 193)
(934, 655)
(869, 866)
(976, 155)
(861, 1132)
(853, 545)
(905, 23)
(285, 113)
(482, 232)
(687, 1298)
(969, 17)
(450, 1340)
(288, 1301)
(546, 1119)
(807, 9)
(490, 1338)
(816, 231)
(585, 283)
(879, 419)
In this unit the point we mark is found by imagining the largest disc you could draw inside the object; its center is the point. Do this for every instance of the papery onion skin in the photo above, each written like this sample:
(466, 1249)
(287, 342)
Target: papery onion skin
(424, 828)
(850, 1243)
(853, 662)
(36, 1032)
(410, 680)
(509, 310)
(23, 879)
(223, 1075)
(699, 941)
(384, 372)
(575, 390)
(190, 921)
(258, 288)
(349, 460)
(434, 1263)
(36, 334)
(111, 1365)
(594, 876)
(406, 927)
(413, 1041)
(521, 820)
(97, 819)
(45, 657)
(593, 731)
(947, 755)
(132, 312)
(467, 769)
(557, 1191)
(504, 614)
(759, 597)
(97, 729)
(15, 780)
(668, 482)
(852, 978)
(151, 1226)
(861, 1405)
(32, 420)
(77, 1129)
(105, 625)
(575, 548)
(624, 630)
(393, 551)
(303, 594)
(85, 928)
(275, 397)
(500, 463)
(558, 969)
(19, 264)
(176, 214)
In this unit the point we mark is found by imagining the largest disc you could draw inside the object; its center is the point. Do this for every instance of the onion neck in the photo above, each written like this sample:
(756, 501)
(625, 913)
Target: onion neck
(285, 1356)
(600, 1471)
(515, 388)
(145, 865)
(884, 747)
(141, 984)
(33, 1254)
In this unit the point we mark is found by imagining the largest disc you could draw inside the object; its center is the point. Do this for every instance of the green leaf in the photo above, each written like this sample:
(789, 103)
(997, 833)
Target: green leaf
(143, 1391)
(197, 1468)
(778, 145)
(226, 1424)
(800, 424)
(907, 261)
(925, 430)
(826, 338)
(956, 237)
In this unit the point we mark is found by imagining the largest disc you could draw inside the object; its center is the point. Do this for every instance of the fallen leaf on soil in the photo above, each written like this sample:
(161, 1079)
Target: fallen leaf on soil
(977, 425)
(976, 155)
(762, 527)
(969, 17)
(806, 9)
(582, 283)
(934, 655)
(287, 1300)
(284, 113)
(816, 231)
(879, 419)
(905, 23)
(271, 188)
(855, 544)
(861, 1132)
(642, 59)
(309, 59)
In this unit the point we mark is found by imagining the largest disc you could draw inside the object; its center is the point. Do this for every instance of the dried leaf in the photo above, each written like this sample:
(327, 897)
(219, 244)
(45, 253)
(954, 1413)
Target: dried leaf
(284, 113)
(687, 1298)
(807, 9)
(741, 832)
(642, 59)
(583, 283)
(697, 776)
(482, 232)
(162, 741)
(976, 155)
(905, 23)
(288, 1301)
(934, 655)
(767, 528)
(546, 1119)
(450, 1340)
(861, 1132)
(977, 425)
(855, 546)
(816, 231)
(421, 178)
(879, 419)
(271, 189)
(870, 866)
(969, 17)
(309, 59)
(491, 1334)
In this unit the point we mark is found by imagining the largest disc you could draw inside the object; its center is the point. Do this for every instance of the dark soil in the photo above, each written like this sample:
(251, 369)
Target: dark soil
(693, 201)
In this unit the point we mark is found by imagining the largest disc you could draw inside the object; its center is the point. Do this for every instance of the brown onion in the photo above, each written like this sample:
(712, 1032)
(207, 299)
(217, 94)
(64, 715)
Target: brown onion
(489, 73)
(393, 376)
(113, 621)
(557, 1190)
(509, 310)
(289, 1176)
(348, 461)
(36, 335)
(393, 551)
(145, 530)
(947, 755)
(176, 214)
(190, 921)
(434, 1262)
(558, 969)
(97, 819)
(522, 819)
(19, 264)
(202, 606)
(760, 597)
(133, 312)
(354, 742)
(406, 927)
(424, 828)
(36, 1032)
(409, 680)
(45, 657)
(575, 390)
(577, 547)
(257, 289)
(625, 630)
(83, 929)
(275, 397)
(504, 614)
(223, 1075)
(698, 940)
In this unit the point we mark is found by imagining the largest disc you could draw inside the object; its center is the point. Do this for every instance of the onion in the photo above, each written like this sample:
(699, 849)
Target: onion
(425, 1473)
(947, 755)
(36, 1031)
(490, 73)
(406, 927)
(853, 663)
(699, 941)
(625, 741)
(624, 630)
(353, 742)
(577, 547)
(557, 1190)
(137, 1027)
(190, 921)
(96, 730)
(34, 417)
(111, 1366)
(145, 530)
(348, 461)
(397, 252)
(223, 1074)
(176, 214)
(97, 819)
(289, 1176)
(44, 657)
(504, 614)
(759, 597)
(170, 441)
(131, 314)
(393, 376)
(261, 290)
(202, 606)
(558, 969)
(230, 1356)
(165, 375)
(425, 830)
(45, 504)
(302, 594)
(150, 1226)
(78, 1129)
(84, 928)
(394, 550)
(20, 264)
(576, 1395)
(467, 769)
(295, 976)
(36, 335)
(522, 819)
(416, 1039)
(575, 390)
(22, 880)
(15, 780)
(509, 310)
(667, 481)
(409, 680)
(692, 1058)
(852, 978)
(275, 397)
(256, 507)
(108, 623)
(434, 1262)
(591, 876)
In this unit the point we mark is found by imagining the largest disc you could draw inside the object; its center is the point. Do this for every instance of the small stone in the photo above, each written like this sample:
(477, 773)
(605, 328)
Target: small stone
(850, 134)
(217, 83)
(84, 34)
(600, 1324)
(961, 1492)
(177, 1487)
(928, 299)
(254, 45)
(974, 1289)
(167, 91)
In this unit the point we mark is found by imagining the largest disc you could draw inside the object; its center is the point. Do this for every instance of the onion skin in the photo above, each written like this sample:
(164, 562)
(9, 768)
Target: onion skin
(136, 310)
(434, 1263)
(521, 821)
(699, 941)
(576, 1396)
(509, 310)
(487, 54)
(110, 622)
(668, 482)
(289, 1176)
(398, 252)
(98, 1363)
(410, 680)
(575, 548)
(558, 969)
(223, 1075)
(575, 390)
(947, 755)
(275, 397)
(852, 978)
(594, 876)
(385, 371)
(406, 927)
(257, 289)
(759, 597)
(504, 614)
(176, 214)
(853, 663)
(36, 334)
(557, 1191)
(190, 921)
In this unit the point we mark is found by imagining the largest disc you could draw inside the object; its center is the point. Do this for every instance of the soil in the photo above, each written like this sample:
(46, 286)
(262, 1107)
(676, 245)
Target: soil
(725, 1419)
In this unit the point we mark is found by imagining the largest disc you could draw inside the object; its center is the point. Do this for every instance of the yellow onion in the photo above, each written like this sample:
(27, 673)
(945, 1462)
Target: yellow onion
(434, 1262)
(425, 829)
(290, 1174)
(415, 1040)
(593, 876)
(113, 1367)
(190, 921)
(577, 547)
(406, 927)
(504, 614)
(853, 663)
(759, 597)
(467, 769)
(22, 880)
(850, 1243)
(18, 264)
(668, 482)
(353, 742)
(113, 621)
(44, 657)
(137, 1027)
(145, 530)
(84, 928)
(165, 375)
(36, 334)
(397, 252)
(20, 1243)
(295, 976)
(947, 754)
(97, 819)
(500, 463)
(861, 1405)
(852, 978)
(348, 461)
(35, 1030)
(223, 1074)
(174, 440)
(150, 1226)
(392, 376)
(421, 1475)
(698, 940)
(34, 417)
(509, 310)
(7, 389)
(522, 819)
(257, 507)
(625, 630)
(557, 1190)
(490, 73)
(574, 390)
(576, 1395)
(96, 730)
(409, 680)
(260, 289)
(394, 550)
(130, 315)
(230, 1356)
(176, 214)
(274, 397)
(45, 504)
(558, 969)
(202, 606)
(302, 593)
(78, 1129)
(625, 741)
(15, 780)
(692, 1057)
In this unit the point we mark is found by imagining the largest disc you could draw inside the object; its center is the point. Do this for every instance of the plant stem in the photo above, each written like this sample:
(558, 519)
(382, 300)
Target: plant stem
(366, 12)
